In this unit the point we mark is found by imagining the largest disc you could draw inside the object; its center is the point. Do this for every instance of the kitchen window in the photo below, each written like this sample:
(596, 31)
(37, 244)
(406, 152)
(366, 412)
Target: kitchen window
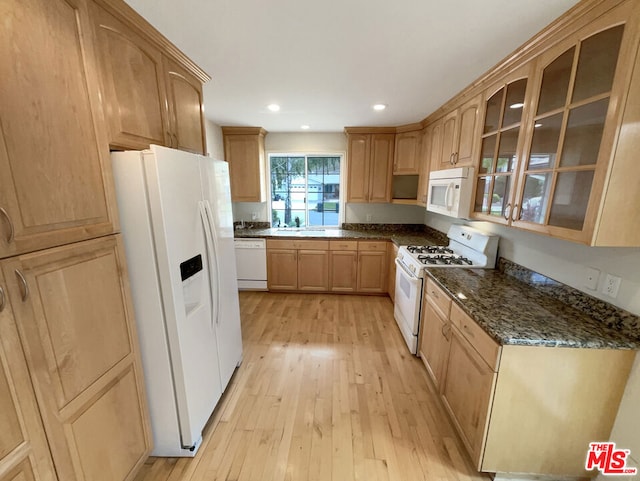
(305, 190)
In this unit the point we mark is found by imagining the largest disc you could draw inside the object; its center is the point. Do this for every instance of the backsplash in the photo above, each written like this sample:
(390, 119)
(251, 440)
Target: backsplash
(602, 311)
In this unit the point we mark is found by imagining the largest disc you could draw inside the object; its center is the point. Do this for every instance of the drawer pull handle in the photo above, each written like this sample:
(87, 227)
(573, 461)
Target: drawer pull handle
(1, 299)
(466, 328)
(434, 294)
(9, 223)
(24, 286)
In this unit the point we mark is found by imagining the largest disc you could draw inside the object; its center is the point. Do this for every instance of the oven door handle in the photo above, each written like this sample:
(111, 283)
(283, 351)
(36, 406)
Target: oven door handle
(411, 276)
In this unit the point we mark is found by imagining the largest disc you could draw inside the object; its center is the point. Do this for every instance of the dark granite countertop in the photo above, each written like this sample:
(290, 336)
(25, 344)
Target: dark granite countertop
(515, 312)
(398, 235)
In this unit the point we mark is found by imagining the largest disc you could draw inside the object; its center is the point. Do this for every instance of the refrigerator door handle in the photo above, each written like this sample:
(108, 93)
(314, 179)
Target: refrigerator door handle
(210, 255)
(214, 238)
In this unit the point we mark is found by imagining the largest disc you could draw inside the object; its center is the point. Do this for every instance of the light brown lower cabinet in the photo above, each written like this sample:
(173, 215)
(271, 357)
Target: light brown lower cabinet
(372, 267)
(24, 454)
(466, 393)
(435, 341)
(327, 266)
(297, 265)
(282, 269)
(313, 270)
(343, 266)
(521, 408)
(75, 323)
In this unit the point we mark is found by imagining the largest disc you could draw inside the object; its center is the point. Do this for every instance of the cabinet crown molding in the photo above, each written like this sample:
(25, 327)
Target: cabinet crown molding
(128, 15)
(244, 131)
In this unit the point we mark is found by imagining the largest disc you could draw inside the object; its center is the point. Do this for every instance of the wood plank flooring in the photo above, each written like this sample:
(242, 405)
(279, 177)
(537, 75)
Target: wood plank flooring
(327, 391)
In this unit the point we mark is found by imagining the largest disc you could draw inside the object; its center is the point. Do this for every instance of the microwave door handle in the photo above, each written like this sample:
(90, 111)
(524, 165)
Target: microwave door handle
(448, 204)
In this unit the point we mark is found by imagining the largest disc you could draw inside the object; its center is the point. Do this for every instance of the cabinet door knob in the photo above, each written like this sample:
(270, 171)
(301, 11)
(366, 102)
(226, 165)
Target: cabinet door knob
(1, 299)
(24, 287)
(5, 214)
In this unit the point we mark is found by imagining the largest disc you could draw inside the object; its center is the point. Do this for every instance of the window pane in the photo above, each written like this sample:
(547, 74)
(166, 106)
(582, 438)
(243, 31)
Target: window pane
(488, 152)
(544, 145)
(597, 63)
(555, 82)
(536, 197)
(305, 188)
(482, 195)
(500, 196)
(570, 199)
(492, 116)
(515, 102)
(584, 133)
(507, 151)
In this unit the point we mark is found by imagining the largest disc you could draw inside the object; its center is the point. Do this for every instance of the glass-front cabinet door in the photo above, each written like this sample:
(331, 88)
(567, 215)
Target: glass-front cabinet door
(502, 144)
(570, 137)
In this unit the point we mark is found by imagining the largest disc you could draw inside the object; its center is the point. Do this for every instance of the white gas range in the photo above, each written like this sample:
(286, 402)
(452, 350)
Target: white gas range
(468, 248)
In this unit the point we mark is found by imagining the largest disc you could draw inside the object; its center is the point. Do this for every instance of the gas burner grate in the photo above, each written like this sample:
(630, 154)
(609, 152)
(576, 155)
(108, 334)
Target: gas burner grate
(446, 260)
(429, 250)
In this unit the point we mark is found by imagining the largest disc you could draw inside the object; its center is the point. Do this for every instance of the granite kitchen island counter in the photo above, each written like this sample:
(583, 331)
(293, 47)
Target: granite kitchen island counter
(519, 307)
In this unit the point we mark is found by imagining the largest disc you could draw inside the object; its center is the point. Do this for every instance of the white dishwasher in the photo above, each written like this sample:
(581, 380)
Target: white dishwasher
(251, 263)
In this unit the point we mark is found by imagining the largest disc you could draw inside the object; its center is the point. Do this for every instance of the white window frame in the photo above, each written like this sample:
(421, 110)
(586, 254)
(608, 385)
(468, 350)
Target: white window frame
(342, 199)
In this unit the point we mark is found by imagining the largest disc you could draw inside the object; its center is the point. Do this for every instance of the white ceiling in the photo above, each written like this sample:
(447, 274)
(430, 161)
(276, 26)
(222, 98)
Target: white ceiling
(326, 62)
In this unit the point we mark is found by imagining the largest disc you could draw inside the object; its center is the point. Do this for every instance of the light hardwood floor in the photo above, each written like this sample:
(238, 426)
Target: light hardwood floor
(327, 391)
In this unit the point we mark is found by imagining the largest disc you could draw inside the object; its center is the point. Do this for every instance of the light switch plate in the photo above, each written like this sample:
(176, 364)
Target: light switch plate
(591, 278)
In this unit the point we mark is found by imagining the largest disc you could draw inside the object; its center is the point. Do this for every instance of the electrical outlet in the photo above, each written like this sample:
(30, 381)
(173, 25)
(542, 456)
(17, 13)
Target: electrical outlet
(611, 285)
(591, 279)
(368, 217)
(254, 215)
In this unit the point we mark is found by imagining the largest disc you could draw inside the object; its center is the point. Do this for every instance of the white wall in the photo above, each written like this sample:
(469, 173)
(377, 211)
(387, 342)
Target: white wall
(384, 214)
(307, 142)
(215, 142)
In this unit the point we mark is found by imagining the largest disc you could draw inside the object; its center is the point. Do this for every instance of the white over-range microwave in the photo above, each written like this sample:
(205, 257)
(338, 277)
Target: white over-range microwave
(450, 192)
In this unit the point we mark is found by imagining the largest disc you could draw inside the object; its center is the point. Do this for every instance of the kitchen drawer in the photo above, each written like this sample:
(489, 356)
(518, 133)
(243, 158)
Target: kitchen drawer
(298, 244)
(372, 246)
(439, 299)
(488, 349)
(335, 245)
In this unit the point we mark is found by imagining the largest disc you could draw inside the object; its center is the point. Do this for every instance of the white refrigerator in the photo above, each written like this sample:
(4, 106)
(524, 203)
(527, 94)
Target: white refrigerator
(177, 226)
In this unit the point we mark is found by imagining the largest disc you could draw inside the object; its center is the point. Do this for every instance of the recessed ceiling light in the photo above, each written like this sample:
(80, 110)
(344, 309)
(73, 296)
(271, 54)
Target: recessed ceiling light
(273, 107)
(304, 127)
(516, 106)
(379, 107)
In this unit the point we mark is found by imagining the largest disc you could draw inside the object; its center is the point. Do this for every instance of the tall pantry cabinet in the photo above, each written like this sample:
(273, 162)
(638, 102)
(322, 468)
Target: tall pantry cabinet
(72, 402)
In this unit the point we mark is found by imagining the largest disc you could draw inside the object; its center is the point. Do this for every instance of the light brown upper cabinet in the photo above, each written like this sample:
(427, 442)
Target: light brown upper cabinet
(150, 98)
(579, 178)
(186, 115)
(503, 139)
(244, 151)
(407, 153)
(56, 184)
(457, 143)
(369, 166)
(133, 82)
(75, 322)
